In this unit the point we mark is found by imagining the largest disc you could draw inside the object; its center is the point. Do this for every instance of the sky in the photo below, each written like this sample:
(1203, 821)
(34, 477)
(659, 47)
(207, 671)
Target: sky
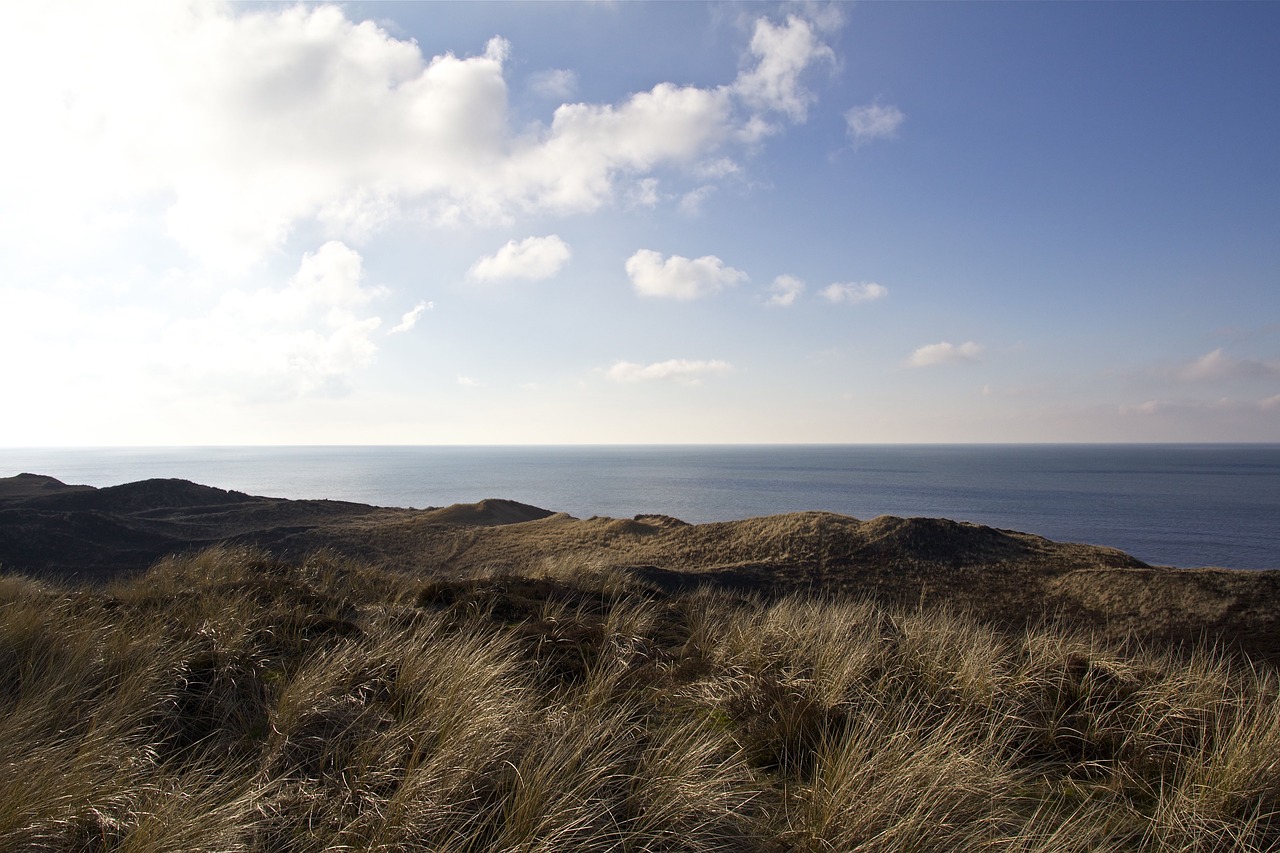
(639, 223)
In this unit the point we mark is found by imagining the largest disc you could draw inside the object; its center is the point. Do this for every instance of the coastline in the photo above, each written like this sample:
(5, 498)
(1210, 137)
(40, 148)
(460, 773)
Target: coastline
(1179, 505)
(82, 534)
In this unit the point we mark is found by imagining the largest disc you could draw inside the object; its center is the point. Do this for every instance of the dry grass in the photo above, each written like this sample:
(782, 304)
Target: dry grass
(228, 702)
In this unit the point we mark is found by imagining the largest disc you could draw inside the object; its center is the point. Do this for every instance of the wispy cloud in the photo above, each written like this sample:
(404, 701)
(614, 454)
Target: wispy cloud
(691, 202)
(785, 290)
(1146, 408)
(531, 258)
(561, 83)
(1218, 365)
(410, 319)
(945, 352)
(679, 370)
(678, 277)
(643, 193)
(873, 121)
(783, 52)
(854, 293)
(1220, 406)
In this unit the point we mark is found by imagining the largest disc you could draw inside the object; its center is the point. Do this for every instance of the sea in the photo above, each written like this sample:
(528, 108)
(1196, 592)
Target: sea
(1173, 505)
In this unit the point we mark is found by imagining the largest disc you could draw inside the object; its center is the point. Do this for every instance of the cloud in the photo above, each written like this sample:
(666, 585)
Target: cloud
(1221, 406)
(308, 334)
(677, 369)
(873, 121)
(1218, 365)
(944, 352)
(410, 319)
(1147, 408)
(559, 83)
(785, 290)
(468, 382)
(784, 53)
(305, 338)
(714, 169)
(531, 258)
(691, 202)
(643, 193)
(678, 277)
(573, 166)
(854, 292)
(231, 128)
(827, 17)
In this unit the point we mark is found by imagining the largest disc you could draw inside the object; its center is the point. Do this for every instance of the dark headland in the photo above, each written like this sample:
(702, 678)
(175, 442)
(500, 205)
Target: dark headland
(82, 534)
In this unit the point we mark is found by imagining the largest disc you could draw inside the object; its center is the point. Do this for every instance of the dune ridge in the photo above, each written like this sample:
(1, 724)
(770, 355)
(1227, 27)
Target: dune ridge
(1007, 577)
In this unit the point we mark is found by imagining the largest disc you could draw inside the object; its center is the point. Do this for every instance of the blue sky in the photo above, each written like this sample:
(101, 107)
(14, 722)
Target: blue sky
(639, 223)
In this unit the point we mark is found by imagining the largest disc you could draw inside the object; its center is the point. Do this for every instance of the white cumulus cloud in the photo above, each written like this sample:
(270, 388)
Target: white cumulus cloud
(229, 128)
(873, 121)
(680, 370)
(785, 290)
(410, 319)
(854, 292)
(944, 352)
(678, 277)
(531, 258)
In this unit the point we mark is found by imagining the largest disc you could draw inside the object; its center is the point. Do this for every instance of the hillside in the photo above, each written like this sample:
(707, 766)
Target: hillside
(231, 701)
(498, 677)
(1004, 577)
(53, 529)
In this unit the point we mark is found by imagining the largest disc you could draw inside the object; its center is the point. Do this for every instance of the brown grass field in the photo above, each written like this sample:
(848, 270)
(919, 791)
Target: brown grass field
(232, 701)
(496, 677)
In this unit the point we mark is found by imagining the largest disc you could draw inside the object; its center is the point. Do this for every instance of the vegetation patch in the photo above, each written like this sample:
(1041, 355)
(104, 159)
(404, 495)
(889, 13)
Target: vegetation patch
(232, 701)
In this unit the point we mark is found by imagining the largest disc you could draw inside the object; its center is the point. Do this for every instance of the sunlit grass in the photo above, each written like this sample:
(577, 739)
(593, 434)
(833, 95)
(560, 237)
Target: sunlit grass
(228, 701)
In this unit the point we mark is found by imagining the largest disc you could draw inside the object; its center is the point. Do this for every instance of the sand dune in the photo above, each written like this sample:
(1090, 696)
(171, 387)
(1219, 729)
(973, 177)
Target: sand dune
(1002, 576)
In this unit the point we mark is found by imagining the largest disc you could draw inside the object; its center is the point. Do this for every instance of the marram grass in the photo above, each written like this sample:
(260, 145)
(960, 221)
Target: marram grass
(229, 702)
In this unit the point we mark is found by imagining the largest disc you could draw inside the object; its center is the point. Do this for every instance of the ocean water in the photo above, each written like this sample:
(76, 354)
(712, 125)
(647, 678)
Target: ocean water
(1175, 505)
